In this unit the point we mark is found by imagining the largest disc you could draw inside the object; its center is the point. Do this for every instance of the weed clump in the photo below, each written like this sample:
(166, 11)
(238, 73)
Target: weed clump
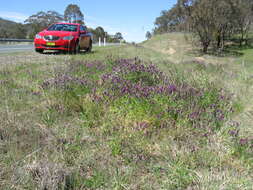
(50, 175)
(136, 96)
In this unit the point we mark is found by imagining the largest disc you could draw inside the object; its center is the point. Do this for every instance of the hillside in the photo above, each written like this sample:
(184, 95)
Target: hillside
(182, 48)
(10, 29)
(5, 27)
(143, 116)
(6, 23)
(173, 45)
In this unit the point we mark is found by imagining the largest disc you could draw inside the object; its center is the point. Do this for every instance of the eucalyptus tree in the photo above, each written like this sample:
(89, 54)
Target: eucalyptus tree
(242, 17)
(41, 20)
(201, 17)
(73, 14)
(148, 35)
(212, 21)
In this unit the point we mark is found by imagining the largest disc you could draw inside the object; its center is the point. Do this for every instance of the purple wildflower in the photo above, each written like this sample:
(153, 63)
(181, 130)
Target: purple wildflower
(234, 133)
(243, 142)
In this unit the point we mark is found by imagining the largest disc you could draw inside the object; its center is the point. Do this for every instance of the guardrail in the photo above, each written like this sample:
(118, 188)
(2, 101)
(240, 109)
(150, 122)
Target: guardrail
(15, 40)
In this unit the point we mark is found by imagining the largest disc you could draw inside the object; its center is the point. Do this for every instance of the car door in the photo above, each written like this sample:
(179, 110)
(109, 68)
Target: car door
(84, 38)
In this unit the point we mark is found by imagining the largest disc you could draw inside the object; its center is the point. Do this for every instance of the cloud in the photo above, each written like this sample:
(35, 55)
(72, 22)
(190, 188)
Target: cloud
(14, 16)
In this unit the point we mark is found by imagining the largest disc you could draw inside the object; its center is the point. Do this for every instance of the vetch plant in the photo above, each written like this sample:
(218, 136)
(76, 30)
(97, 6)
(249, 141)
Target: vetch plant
(166, 98)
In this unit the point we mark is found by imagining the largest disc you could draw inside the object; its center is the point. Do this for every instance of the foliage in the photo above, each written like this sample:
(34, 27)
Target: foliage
(242, 17)
(172, 20)
(148, 35)
(73, 14)
(212, 21)
(10, 29)
(118, 36)
(42, 20)
(99, 32)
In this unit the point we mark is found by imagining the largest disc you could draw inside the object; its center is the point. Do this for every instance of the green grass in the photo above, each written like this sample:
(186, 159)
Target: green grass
(60, 138)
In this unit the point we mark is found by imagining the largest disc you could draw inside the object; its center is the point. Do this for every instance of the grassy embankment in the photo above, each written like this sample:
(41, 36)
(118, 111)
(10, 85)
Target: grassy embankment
(169, 119)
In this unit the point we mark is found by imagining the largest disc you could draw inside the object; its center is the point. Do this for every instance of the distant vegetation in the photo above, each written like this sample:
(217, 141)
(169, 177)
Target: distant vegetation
(41, 20)
(10, 29)
(214, 22)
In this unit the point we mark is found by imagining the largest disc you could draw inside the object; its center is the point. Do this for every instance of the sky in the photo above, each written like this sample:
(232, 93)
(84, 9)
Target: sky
(133, 18)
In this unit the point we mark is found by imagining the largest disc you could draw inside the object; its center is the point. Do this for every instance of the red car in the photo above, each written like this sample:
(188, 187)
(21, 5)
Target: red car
(66, 37)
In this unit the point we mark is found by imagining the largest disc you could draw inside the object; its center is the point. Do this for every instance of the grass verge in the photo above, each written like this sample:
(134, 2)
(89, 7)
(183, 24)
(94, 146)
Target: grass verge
(107, 120)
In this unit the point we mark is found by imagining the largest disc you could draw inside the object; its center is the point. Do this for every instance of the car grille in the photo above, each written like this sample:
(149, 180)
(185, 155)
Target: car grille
(51, 38)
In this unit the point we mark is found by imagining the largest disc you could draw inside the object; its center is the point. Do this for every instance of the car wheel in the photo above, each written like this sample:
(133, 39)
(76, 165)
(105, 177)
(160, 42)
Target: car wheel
(77, 48)
(90, 47)
(39, 50)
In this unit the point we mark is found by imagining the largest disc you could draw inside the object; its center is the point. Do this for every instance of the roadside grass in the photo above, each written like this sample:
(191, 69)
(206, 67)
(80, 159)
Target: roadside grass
(108, 120)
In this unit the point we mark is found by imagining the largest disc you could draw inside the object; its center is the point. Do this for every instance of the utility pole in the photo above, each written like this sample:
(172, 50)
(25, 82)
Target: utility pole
(104, 41)
(99, 42)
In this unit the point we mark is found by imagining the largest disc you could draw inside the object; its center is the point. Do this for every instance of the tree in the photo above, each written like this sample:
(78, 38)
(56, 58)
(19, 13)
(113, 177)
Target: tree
(222, 25)
(212, 21)
(171, 20)
(100, 32)
(161, 23)
(148, 35)
(242, 17)
(42, 20)
(215, 20)
(118, 36)
(73, 14)
(202, 20)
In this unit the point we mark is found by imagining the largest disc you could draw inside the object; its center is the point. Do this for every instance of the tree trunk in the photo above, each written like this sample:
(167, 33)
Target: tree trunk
(246, 40)
(205, 47)
(223, 41)
(242, 38)
(218, 41)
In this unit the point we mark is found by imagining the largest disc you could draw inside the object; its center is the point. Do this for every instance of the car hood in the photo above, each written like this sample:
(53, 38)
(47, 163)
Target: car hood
(57, 33)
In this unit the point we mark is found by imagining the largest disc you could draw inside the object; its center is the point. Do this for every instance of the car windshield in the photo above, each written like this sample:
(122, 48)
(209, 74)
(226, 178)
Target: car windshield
(63, 27)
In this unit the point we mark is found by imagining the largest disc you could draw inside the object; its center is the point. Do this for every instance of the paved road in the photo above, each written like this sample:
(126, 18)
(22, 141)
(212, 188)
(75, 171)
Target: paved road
(15, 48)
(28, 47)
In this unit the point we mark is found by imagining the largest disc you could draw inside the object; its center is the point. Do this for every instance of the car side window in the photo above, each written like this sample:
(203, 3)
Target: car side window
(82, 28)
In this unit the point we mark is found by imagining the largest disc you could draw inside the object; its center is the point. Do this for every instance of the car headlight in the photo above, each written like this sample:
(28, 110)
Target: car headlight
(68, 38)
(38, 36)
